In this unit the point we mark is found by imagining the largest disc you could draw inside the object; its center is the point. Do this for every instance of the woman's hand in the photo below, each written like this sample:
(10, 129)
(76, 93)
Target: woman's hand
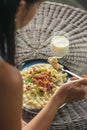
(74, 78)
(73, 91)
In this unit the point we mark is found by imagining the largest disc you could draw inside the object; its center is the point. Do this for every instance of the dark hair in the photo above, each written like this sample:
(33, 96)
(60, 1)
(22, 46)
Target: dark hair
(8, 10)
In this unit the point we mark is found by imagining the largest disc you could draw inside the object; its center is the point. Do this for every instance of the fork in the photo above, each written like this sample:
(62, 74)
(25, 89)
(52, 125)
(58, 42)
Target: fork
(71, 73)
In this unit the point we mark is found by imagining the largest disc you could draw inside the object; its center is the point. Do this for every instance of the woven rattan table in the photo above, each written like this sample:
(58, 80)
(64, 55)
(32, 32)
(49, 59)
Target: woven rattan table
(33, 42)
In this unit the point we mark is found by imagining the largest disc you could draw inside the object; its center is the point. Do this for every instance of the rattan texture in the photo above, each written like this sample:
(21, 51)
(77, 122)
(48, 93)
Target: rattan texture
(33, 42)
(70, 117)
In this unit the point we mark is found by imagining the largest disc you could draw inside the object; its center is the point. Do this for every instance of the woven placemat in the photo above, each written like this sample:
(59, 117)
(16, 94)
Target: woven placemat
(72, 116)
(33, 42)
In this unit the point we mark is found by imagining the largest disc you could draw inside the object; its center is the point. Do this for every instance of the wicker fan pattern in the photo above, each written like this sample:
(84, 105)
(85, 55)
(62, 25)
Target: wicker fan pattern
(33, 42)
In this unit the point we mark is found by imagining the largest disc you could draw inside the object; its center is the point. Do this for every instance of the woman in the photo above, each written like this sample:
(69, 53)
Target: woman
(13, 15)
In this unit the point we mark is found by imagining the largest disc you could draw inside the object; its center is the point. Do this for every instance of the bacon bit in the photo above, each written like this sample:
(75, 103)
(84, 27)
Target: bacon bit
(34, 81)
(40, 82)
(39, 76)
(52, 85)
(30, 72)
(37, 70)
(45, 89)
(41, 89)
(45, 83)
(47, 73)
(28, 88)
(49, 87)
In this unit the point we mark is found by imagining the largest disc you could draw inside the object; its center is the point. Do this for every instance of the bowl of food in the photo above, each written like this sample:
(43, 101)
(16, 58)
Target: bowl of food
(40, 81)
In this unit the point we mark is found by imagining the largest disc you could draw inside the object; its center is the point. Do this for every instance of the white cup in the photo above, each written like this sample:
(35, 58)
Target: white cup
(60, 44)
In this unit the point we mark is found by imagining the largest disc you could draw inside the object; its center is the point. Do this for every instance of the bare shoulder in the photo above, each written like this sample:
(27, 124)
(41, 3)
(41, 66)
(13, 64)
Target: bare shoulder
(9, 75)
(10, 97)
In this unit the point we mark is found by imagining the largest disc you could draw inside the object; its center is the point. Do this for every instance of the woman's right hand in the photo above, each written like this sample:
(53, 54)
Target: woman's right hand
(72, 91)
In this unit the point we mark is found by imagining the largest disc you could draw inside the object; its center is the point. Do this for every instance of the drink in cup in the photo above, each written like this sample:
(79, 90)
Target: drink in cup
(59, 45)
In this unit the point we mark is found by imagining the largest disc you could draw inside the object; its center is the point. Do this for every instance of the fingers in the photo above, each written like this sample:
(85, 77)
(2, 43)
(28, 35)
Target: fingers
(74, 90)
(73, 78)
(84, 76)
(83, 81)
(76, 83)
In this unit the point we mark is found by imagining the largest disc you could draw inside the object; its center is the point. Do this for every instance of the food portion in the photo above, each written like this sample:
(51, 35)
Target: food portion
(40, 81)
(54, 62)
